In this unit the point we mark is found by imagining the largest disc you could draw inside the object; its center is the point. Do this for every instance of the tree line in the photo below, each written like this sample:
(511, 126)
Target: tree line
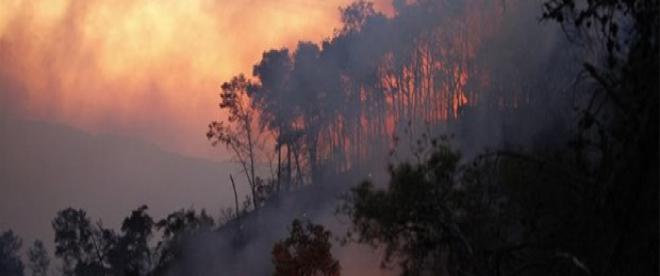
(142, 246)
(585, 206)
(337, 106)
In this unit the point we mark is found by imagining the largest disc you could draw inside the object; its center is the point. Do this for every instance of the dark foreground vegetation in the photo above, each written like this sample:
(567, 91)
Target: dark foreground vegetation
(580, 199)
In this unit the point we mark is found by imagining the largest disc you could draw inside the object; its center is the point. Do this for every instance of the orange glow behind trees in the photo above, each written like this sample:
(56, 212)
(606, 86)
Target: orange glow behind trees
(338, 105)
(142, 68)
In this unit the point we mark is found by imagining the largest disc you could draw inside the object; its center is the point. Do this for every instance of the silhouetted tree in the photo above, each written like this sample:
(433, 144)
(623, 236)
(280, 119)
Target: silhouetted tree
(132, 254)
(88, 249)
(73, 236)
(176, 228)
(617, 143)
(307, 86)
(272, 97)
(39, 261)
(513, 214)
(305, 252)
(356, 14)
(238, 132)
(412, 217)
(82, 246)
(10, 261)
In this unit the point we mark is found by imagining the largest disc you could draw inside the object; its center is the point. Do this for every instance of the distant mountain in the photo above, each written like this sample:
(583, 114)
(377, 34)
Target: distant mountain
(46, 167)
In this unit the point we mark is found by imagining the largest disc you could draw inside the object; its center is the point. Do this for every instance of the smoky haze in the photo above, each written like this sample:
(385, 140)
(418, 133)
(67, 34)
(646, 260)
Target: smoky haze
(504, 80)
(103, 105)
(295, 137)
(383, 79)
(47, 167)
(145, 69)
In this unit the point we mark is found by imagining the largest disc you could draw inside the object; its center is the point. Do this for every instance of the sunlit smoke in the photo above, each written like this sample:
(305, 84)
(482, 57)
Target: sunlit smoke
(142, 68)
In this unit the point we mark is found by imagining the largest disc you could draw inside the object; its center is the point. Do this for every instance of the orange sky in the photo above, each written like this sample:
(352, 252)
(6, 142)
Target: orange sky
(143, 68)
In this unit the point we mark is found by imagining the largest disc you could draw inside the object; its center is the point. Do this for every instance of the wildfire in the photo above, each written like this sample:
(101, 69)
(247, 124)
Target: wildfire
(145, 68)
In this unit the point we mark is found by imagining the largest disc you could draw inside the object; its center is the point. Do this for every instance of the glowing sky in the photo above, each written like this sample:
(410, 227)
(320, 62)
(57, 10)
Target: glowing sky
(149, 69)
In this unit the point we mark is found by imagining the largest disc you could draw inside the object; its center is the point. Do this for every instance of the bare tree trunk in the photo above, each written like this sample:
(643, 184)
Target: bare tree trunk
(248, 129)
(233, 185)
(279, 165)
(244, 164)
(312, 153)
(288, 167)
(295, 156)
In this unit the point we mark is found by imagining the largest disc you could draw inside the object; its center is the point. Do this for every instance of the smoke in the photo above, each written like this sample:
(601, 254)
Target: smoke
(502, 77)
(149, 69)
(243, 246)
(486, 71)
(526, 96)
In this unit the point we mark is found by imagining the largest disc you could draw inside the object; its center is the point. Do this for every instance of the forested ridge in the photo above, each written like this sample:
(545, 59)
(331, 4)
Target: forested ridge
(521, 138)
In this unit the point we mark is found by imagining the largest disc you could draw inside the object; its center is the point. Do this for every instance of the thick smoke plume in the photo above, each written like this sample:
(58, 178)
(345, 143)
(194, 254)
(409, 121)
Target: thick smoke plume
(487, 73)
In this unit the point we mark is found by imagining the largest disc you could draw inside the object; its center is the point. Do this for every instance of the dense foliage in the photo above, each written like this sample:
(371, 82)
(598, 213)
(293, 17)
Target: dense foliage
(306, 252)
(586, 208)
(10, 262)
